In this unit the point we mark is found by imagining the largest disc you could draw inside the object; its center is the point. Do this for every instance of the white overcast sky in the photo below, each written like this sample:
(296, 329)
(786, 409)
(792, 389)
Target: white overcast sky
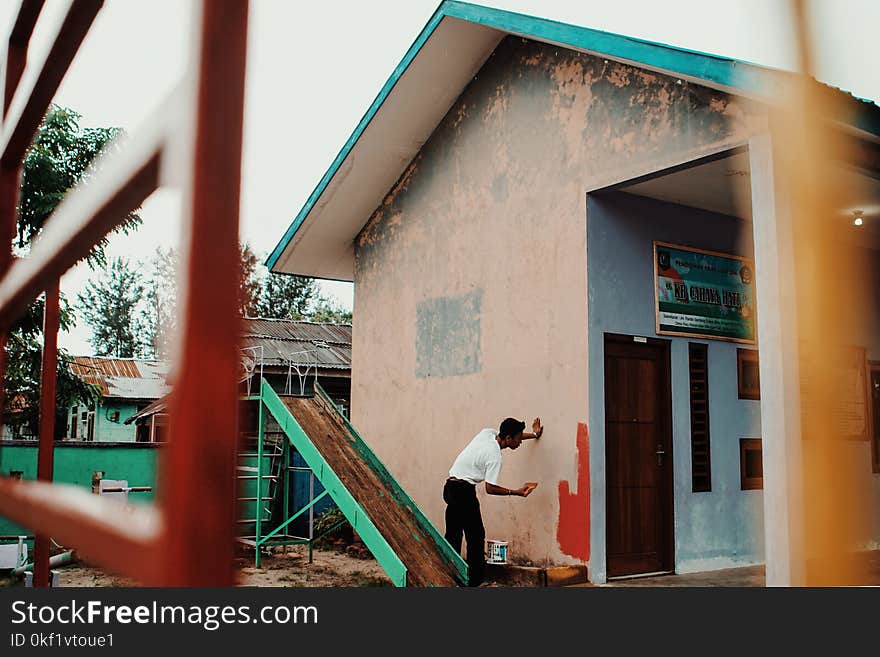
(314, 68)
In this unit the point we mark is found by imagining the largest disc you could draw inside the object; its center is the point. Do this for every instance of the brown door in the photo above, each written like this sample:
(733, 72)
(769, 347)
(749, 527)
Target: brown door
(638, 456)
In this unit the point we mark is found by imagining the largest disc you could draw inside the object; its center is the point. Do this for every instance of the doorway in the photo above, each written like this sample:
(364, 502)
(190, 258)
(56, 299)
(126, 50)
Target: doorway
(638, 456)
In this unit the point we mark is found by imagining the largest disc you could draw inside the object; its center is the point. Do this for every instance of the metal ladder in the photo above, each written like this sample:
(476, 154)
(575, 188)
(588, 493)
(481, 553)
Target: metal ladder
(260, 503)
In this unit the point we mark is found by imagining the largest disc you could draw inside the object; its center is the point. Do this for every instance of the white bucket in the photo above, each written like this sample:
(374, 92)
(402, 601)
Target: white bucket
(496, 551)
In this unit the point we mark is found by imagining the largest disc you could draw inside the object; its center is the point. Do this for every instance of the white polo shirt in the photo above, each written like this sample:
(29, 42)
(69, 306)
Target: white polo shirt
(480, 460)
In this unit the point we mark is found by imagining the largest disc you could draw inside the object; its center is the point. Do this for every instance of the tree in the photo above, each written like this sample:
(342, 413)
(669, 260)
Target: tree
(111, 305)
(159, 317)
(330, 312)
(261, 294)
(22, 375)
(250, 281)
(59, 158)
(285, 297)
(273, 296)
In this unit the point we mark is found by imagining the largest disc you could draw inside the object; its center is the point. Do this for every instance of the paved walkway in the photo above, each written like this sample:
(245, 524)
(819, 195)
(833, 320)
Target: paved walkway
(748, 576)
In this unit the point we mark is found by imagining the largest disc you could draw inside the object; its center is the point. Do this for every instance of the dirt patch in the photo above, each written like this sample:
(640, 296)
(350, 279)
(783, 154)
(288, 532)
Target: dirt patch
(417, 551)
(328, 568)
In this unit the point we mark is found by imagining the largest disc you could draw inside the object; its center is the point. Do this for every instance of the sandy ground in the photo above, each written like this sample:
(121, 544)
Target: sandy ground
(329, 568)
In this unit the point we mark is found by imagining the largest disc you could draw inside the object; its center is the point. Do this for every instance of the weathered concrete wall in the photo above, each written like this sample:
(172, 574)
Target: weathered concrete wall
(722, 528)
(471, 277)
(75, 463)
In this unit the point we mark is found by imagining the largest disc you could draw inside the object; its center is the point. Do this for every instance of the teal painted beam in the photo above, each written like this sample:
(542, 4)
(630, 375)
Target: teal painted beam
(292, 518)
(350, 508)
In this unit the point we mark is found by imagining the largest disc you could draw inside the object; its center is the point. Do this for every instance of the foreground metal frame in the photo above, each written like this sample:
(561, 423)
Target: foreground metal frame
(193, 143)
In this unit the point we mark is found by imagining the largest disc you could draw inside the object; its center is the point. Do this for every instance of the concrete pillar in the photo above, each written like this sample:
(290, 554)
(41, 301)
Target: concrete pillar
(772, 224)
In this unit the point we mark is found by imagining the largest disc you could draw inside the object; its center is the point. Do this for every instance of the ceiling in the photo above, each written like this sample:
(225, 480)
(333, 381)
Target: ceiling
(724, 186)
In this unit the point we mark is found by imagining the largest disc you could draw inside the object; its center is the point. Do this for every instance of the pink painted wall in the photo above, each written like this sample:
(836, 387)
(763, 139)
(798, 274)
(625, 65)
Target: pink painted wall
(471, 291)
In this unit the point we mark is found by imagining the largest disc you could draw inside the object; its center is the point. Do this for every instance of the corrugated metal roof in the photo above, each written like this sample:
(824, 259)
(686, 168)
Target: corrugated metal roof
(329, 345)
(326, 345)
(125, 378)
(287, 329)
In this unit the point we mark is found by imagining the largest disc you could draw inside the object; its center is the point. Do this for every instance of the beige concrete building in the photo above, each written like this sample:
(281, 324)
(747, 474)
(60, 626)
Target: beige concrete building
(507, 208)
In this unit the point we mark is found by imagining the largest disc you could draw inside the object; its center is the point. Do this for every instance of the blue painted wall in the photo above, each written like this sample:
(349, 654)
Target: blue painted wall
(717, 529)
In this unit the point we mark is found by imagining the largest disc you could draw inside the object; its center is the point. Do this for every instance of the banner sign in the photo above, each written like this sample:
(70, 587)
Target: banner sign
(703, 294)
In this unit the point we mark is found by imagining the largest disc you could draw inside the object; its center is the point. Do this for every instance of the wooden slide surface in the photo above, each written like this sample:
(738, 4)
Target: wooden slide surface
(397, 523)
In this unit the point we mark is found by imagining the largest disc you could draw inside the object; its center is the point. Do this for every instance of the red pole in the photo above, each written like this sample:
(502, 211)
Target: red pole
(46, 449)
(199, 463)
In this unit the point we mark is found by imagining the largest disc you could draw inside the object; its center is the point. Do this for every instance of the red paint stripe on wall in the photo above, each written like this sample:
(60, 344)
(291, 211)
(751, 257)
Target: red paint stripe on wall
(573, 530)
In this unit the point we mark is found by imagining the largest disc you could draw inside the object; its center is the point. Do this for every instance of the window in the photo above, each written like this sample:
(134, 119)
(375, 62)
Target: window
(701, 470)
(748, 378)
(751, 464)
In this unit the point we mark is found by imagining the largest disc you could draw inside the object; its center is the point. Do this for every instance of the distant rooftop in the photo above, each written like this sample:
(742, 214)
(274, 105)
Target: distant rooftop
(123, 378)
(286, 340)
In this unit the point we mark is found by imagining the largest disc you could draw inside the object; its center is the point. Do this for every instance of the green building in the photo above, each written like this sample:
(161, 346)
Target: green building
(128, 385)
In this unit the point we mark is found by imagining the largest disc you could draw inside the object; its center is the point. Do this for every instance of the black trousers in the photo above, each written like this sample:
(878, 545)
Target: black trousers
(463, 516)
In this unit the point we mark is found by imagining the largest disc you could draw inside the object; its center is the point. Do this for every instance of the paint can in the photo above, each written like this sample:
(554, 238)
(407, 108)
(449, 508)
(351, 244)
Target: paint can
(496, 551)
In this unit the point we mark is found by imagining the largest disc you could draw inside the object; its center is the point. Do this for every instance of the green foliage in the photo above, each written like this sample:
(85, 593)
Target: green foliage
(22, 375)
(111, 306)
(260, 294)
(329, 312)
(249, 281)
(273, 296)
(59, 158)
(325, 521)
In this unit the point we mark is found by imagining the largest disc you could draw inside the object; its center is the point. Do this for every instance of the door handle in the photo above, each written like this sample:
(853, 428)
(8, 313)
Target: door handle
(660, 452)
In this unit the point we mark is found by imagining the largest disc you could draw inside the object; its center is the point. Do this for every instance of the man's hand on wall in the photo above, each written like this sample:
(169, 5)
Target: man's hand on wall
(537, 428)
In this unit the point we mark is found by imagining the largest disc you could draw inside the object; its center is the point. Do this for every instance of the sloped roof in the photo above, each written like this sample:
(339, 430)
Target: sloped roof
(123, 378)
(445, 56)
(281, 341)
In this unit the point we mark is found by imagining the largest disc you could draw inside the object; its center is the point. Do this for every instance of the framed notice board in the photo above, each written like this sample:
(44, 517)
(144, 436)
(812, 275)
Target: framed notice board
(703, 294)
(849, 389)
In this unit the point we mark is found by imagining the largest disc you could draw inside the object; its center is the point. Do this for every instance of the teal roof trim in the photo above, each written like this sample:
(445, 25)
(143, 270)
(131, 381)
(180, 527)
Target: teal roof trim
(712, 68)
(358, 131)
(746, 77)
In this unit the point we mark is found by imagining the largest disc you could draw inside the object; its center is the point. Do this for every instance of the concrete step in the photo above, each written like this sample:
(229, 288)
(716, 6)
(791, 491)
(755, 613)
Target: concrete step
(536, 576)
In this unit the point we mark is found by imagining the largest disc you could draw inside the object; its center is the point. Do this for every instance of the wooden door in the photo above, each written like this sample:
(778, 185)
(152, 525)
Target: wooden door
(638, 456)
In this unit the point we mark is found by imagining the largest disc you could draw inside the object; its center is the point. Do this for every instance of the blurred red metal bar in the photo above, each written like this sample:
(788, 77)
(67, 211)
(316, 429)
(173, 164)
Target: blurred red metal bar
(15, 57)
(194, 535)
(103, 531)
(199, 465)
(35, 91)
(125, 180)
(46, 449)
